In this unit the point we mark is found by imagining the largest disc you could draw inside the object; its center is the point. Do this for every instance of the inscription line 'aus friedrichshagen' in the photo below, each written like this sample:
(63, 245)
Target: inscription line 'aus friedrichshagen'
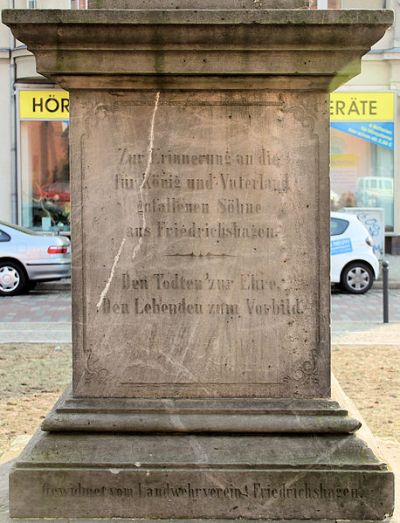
(147, 172)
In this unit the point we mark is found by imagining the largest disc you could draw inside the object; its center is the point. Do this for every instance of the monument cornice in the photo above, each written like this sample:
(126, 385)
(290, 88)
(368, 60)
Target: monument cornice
(252, 49)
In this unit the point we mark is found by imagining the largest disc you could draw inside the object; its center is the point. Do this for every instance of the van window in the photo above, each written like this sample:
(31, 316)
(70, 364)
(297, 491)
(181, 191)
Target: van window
(4, 237)
(338, 226)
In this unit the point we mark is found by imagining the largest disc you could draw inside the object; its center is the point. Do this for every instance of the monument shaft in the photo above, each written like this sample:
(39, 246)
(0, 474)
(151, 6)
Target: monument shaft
(210, 282)
(200, 222)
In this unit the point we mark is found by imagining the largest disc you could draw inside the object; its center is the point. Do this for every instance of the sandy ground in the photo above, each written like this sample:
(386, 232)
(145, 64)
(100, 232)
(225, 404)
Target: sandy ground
(370, 376)
(31, 379)
(33, 376)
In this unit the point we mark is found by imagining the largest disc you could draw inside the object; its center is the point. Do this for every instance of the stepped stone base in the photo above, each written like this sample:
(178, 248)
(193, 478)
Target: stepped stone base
(186, 476)
(223, 415)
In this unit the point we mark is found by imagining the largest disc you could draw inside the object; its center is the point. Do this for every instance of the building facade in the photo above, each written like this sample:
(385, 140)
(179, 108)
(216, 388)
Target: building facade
(34, 172)
(365, 137)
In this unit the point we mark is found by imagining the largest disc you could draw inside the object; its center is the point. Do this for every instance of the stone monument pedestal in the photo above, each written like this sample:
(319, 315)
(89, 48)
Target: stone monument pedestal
(200, 230)
(195, 476)
(194, 459)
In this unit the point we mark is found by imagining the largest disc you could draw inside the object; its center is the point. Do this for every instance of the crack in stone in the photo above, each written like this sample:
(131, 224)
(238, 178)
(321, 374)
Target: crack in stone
(110, 279)
(147, 171)
(146, 175)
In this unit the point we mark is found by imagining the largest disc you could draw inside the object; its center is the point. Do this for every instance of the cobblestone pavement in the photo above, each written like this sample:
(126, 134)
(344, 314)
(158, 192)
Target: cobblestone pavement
(37, 306)
(55, 306)
(44, 316)
(365, 307)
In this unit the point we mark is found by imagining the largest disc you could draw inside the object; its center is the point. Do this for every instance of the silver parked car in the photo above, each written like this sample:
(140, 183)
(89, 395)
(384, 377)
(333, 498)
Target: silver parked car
(27, 257)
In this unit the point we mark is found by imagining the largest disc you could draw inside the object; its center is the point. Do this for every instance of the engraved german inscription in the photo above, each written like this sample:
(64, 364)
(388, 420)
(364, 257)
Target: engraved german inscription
(200, 220)
(259, 492)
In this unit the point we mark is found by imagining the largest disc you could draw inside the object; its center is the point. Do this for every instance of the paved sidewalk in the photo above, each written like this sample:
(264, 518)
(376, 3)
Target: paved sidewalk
(55, 307)
(45, 316)
(365, 333)
(37, 317)
(37, 306)
(365, 307)
(35, 332)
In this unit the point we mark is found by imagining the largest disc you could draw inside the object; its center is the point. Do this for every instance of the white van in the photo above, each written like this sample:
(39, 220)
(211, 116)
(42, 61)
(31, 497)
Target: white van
(354, 265)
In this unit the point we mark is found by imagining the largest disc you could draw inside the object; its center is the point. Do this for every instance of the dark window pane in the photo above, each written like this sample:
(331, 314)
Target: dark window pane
(4, 237)
(338, 226)
(45, 178)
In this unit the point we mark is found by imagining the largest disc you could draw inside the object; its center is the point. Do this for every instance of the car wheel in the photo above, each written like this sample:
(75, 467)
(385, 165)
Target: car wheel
(12, 279)
(357, 278)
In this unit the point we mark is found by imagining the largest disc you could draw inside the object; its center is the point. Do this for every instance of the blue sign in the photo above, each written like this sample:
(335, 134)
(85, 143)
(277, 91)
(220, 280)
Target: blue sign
(341, 246)
(380, 133)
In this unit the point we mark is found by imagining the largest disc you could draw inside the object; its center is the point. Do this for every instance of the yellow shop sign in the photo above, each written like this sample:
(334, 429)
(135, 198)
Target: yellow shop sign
(362, 107)
(44, 105)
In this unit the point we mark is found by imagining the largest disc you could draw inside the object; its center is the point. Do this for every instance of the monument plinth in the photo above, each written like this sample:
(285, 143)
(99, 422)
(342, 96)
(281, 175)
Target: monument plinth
(200, 222)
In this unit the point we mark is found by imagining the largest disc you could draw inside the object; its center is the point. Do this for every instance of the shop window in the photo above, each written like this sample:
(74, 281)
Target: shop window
(45, 175)
(362, 152)
(44, 159)
(361, 175)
